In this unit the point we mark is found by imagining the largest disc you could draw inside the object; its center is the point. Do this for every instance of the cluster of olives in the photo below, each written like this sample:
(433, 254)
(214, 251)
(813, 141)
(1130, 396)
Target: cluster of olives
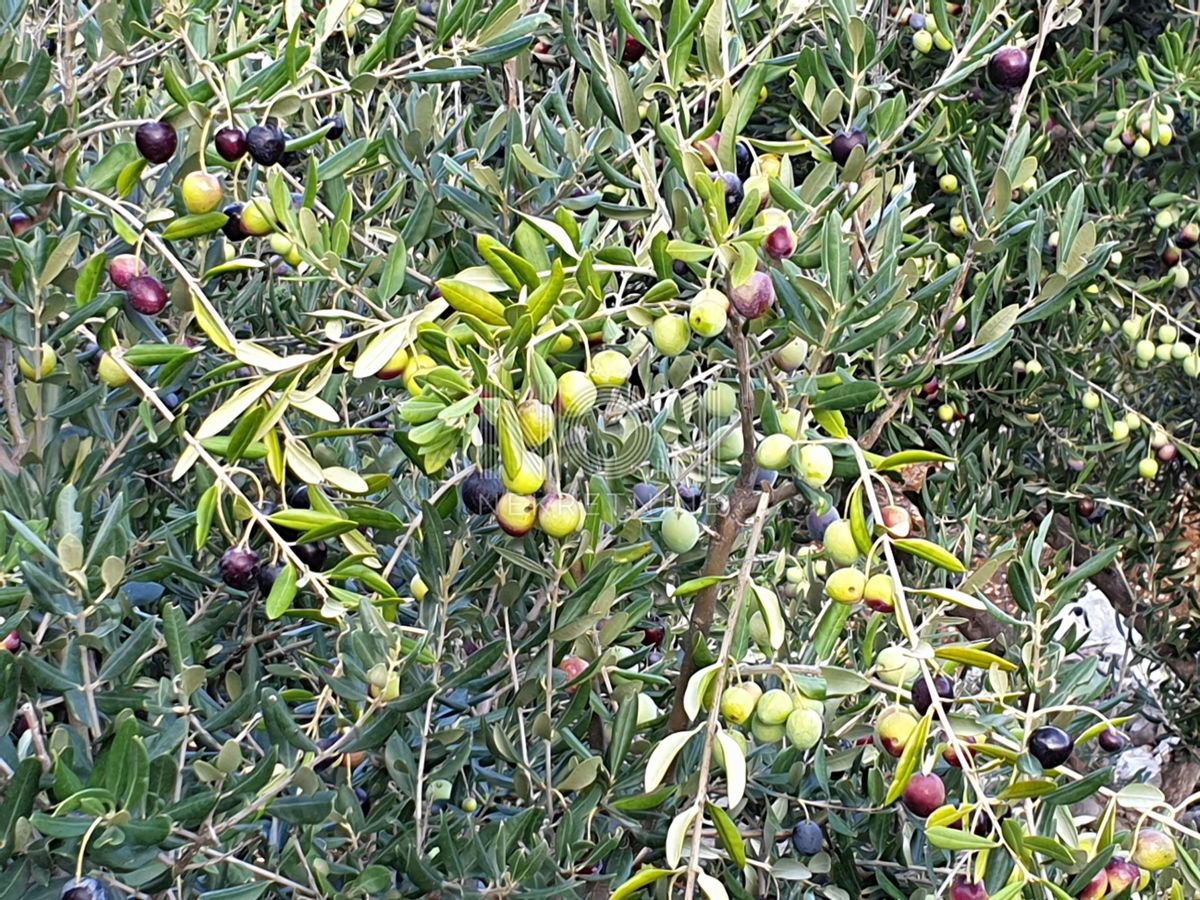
(1152, 850)
(1139, 132)
(709, 310)
(1184, 239)
(931, 393)
(203, 192)
(1121, 430)
(511, 497)
(242, 568)
(926, 34)
(772, 715)
(1169, 347)
(925, 794)
(847, 583)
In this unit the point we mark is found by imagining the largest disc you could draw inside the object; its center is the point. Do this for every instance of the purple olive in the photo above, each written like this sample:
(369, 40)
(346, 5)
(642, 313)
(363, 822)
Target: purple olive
(644, 494)
(156, 141)
(230, 143)
(755, 296)
(819, 521)
(1008, 69)
(239, 567)
(1111, 740)
(147, 295)
(844, 142)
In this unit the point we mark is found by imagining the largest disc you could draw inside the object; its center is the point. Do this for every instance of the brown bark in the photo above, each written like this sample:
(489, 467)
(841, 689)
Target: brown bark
(726, 527)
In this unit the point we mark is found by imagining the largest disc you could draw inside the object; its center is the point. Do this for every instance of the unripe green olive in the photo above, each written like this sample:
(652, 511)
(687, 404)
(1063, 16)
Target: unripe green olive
(732, 443)
(816, 465)
(839, 543)
(609, 368)
(576, 393)
(846, 585)
(708, 313)
(680, 530)
(1132, 327)
(737, 704)
(670, 334)
(789, 422)
(529, 477)
(773, 450)
(803, 728)
(792, 355)
(720, 400)
(110, 371)
(201, 192)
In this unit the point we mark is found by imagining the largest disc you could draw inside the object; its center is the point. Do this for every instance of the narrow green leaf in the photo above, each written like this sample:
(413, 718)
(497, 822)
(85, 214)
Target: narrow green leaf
(911, 457)
(283, 592)
(956, 839)
(640, 879)
(727, 831)
(128, 651)
(931, 552)
(910, 759)
(193, 226)
(972, 656)
(1081, 789)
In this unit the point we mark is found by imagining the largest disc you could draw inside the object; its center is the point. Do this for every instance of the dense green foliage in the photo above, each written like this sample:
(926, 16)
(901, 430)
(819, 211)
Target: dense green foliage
(268, 637)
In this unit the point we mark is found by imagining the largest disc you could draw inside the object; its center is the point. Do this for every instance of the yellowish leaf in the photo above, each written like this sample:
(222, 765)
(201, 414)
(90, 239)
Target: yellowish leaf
(677, 833)
(663, 755)
(315, 407)
(345, 480)
(301, 462)
(713, 889)
(735, 768)
(232, 409)
(381, 348)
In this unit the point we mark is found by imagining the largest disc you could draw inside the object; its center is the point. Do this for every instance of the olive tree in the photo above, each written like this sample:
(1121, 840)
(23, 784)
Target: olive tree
(625, 449)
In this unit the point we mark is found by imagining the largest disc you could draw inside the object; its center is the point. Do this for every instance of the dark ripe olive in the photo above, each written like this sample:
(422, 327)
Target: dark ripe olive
(844, 142)
(266, 144)
(1008, 68)
(231, 144)
(1051, 746)
(481, 491)
(156, 141)
(239, 567)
